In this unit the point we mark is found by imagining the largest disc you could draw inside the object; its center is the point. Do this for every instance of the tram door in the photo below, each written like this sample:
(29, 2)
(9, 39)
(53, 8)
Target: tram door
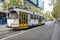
(23, 20)
(39, 20)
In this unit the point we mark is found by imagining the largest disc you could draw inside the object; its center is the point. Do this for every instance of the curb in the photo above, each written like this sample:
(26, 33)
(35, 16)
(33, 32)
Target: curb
(55, 35)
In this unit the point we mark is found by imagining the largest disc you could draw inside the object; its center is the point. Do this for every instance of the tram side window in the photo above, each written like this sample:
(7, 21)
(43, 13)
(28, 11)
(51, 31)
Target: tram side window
(37, 17)
(42, 18)
(34, 17)
(31, 16)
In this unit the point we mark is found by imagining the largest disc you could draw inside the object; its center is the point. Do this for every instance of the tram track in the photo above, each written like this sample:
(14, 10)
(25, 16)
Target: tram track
(10, 32)
(6, 33)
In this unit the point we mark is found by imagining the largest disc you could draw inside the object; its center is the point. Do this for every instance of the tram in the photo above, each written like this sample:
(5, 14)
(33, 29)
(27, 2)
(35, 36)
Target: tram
(23, 19)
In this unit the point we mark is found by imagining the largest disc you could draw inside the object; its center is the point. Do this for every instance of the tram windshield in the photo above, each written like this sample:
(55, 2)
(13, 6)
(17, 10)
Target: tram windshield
(13, 15)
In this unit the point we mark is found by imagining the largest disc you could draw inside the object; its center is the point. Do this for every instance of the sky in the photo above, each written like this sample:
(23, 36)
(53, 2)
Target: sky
(47, 7)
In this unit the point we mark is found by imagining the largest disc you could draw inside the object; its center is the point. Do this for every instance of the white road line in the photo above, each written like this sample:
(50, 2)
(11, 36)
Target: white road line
(18, 34)
(54, 33)
(4, 29)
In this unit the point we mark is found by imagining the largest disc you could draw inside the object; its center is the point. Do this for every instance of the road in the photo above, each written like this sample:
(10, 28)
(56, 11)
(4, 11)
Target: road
(43, 32)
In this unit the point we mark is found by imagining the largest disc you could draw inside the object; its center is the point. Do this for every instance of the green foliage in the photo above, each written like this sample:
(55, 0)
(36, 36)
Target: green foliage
(46, 15)
(55, 10)
(4, 6)
(13, 3)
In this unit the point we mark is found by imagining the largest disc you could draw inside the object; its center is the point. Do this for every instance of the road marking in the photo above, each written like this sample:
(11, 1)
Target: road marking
(54, 32)
(18, 34)
(5, 29)
(2, 29)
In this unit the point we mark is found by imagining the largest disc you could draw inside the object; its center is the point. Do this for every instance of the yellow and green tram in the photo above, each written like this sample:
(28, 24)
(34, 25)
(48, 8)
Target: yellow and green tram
(23, 19)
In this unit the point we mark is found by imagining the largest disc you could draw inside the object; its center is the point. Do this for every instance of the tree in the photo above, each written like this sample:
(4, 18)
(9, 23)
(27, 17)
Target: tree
(13, 3)
(58, 15)
(55, 10)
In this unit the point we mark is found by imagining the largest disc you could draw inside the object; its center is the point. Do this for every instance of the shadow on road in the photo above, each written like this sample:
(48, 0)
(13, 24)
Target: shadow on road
(31, 27)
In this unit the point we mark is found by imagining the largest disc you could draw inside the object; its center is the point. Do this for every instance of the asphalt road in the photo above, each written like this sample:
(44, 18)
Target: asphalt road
(44, 32)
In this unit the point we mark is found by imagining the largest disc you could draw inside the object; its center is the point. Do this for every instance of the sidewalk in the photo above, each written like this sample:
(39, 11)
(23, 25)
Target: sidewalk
(56, 33)
(3, 27)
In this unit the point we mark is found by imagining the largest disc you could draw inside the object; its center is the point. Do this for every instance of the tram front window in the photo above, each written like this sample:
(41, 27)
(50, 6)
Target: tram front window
(13, 15)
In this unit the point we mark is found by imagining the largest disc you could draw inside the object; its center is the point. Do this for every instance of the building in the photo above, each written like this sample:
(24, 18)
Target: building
(41, 4)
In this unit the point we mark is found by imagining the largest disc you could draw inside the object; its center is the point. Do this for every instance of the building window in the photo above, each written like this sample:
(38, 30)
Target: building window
(2, 0)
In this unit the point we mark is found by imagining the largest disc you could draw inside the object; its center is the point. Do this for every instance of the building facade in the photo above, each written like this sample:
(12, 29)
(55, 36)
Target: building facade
(41, 4)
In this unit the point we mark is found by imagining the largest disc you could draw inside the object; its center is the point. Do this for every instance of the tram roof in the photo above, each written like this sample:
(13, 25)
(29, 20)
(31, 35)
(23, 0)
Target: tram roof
(22, 10)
